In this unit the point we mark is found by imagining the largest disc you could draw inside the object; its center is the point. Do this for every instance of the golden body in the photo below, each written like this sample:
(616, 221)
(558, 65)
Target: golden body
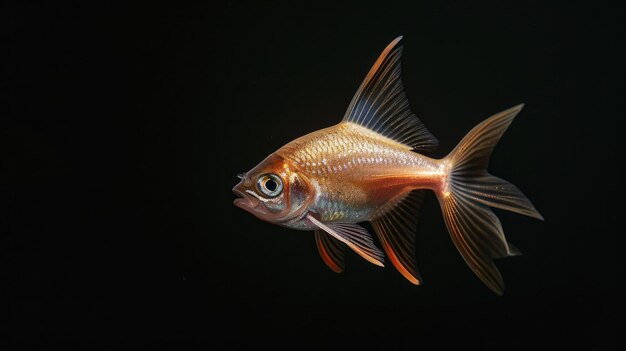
(369, 167)
(358, 173)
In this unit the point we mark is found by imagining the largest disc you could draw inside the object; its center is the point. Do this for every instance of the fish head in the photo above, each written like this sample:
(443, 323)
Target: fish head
(274, 191)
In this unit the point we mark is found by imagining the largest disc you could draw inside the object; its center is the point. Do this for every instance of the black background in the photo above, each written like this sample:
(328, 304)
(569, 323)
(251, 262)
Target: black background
(123, 129)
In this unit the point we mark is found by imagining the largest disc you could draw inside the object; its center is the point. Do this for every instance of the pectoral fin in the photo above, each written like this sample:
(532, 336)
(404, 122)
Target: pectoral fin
(353, 235)
(331, 250)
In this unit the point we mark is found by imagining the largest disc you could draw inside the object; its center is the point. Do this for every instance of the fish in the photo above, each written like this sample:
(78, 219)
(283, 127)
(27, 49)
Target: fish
(373, 167)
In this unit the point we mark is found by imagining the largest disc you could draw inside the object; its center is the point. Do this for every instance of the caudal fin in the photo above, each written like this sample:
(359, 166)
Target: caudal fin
(470, 191)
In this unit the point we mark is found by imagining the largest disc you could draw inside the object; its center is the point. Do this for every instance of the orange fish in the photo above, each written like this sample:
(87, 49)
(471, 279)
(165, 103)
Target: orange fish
(369, 167)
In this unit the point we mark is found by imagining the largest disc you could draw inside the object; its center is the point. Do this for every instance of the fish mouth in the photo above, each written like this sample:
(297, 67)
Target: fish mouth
(245, 201)
(251, 203)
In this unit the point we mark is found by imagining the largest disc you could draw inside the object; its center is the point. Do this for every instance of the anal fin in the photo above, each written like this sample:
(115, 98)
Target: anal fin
(396, 230)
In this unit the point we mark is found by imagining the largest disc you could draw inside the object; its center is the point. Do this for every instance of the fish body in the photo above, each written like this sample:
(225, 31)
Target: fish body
(371, 167)
(357, 173)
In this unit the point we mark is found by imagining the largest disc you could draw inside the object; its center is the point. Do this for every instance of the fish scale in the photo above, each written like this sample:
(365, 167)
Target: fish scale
(342, 160)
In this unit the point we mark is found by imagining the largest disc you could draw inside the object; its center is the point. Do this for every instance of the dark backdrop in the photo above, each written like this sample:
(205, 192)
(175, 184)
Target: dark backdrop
(123, 129)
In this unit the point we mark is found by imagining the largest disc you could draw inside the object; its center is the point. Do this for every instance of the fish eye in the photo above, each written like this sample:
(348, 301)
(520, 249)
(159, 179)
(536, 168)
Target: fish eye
(270, 185)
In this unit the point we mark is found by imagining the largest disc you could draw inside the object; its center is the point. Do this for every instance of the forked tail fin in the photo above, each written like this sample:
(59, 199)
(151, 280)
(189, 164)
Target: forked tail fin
(469, 192)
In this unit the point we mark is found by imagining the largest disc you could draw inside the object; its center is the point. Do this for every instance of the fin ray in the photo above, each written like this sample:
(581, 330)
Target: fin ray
(331, 250)
(396, 231)
(470, 192)
(380, 104)
(354, 236)
(475, 242)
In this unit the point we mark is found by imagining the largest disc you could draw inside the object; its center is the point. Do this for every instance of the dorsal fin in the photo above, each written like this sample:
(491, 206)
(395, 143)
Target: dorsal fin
(396, 231)
(380, 104)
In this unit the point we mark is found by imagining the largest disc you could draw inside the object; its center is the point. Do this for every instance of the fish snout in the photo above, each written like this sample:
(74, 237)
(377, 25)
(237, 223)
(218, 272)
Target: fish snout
(245, 200)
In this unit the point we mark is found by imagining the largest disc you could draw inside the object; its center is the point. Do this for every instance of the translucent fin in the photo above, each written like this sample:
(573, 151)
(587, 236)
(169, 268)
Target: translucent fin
(353, 235)
(470, 160)
(470, 190)
(380, 104)
(332, 251)
(396, 231)
(514, 251)
(495, 192)
(478, 235)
